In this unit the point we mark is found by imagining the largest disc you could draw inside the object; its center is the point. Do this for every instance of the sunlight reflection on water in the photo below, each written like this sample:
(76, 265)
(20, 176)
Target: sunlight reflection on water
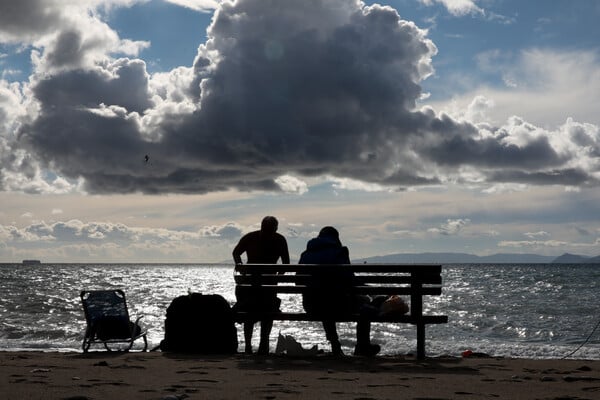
(538, 311)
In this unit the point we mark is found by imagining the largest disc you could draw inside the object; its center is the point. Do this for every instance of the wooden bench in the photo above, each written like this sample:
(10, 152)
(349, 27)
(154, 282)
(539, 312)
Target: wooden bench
(413, 282)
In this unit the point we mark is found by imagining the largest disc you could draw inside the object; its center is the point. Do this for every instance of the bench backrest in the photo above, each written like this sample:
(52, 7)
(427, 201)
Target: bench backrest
(414, 280)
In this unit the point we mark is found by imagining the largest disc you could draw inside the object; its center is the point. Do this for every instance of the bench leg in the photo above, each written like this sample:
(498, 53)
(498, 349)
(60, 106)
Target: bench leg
(420, 341)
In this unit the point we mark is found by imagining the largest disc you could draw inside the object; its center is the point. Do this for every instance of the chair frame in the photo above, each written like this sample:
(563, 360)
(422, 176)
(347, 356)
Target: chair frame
(90, 336)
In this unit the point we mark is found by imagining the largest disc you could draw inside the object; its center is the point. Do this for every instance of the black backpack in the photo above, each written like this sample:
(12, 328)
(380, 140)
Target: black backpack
(202, 324)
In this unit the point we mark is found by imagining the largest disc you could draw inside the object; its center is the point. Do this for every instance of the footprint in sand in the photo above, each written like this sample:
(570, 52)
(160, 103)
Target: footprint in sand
(278, 390)
(387, 385)
(591, 389)
(98, 382)
(431, 398)
(573, 378)
(201, 381)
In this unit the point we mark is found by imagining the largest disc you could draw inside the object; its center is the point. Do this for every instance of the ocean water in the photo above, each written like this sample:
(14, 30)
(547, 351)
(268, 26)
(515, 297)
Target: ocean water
(515, 310)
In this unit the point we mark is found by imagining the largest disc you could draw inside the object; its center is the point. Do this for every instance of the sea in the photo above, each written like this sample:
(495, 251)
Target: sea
(539, 311)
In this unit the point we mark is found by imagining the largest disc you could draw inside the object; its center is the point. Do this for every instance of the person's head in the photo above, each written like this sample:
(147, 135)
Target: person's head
(269, 225)
(331, 233)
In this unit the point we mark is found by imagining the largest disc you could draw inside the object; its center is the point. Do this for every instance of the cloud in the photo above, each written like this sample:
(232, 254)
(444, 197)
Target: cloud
(457, 7)
(542, 85)
(77, 231)
(27, 20)
(62, 36)
(82, 47)
(451, 227)
(324, 85)
(11, 108)
(198, 5)
(78, 241)
(20, 170)
(6, 73)
(230, 231)
(69, 30)
(278, 95)
(590, 249)
(291, 184)
(583, 231)
(102, 240)
(535, 244)
(533, 235)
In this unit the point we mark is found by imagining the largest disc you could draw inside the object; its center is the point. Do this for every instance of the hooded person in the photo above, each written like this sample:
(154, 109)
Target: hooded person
(332, 295)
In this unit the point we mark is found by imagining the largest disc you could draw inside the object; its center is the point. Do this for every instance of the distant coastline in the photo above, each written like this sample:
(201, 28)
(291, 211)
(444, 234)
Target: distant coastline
(415, 258)
(466, 258)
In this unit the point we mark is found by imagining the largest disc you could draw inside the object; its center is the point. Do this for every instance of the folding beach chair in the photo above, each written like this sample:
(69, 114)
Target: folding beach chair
(108, 320)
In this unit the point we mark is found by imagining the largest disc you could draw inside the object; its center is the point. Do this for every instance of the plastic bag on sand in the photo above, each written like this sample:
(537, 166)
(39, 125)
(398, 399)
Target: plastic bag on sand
(288, 345)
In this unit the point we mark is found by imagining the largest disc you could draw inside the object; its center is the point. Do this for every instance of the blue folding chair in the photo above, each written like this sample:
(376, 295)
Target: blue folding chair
(108, 320)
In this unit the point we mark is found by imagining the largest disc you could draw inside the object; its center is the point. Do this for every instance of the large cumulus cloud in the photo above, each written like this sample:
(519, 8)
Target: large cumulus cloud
(309, 88)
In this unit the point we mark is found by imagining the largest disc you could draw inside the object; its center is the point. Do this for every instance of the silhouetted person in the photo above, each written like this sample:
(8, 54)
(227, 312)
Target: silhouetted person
(327, 249)
(265, 246)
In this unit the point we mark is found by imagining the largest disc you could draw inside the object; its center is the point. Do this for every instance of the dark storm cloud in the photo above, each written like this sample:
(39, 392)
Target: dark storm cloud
(305, 88)
(123, 83)
(456, 150)
(26, 19)
(79, 142)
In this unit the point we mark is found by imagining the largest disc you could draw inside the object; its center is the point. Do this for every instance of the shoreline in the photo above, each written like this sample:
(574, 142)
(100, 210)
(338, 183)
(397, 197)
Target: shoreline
(168, 376)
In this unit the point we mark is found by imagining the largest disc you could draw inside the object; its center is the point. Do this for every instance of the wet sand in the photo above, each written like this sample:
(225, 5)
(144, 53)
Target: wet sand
(156, 375)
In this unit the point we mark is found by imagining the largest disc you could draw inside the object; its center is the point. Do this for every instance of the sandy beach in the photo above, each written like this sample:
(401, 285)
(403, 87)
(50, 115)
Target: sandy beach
(156, 375)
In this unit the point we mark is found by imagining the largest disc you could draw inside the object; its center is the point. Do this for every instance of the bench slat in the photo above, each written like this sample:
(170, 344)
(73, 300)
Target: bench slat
(370, 268)
(291, 316)
(425, 279)
(370, 290)
(358, 280)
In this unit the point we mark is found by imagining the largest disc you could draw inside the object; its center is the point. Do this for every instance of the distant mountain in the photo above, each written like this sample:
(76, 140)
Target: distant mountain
(458, 258)
(466, 258)
(568, 258)
(517, 258)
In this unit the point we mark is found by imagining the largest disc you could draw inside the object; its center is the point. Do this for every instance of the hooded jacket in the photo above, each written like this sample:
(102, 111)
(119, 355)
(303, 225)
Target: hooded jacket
(327, 250)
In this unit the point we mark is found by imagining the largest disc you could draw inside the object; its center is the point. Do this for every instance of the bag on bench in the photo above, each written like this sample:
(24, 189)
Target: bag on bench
(202, 324)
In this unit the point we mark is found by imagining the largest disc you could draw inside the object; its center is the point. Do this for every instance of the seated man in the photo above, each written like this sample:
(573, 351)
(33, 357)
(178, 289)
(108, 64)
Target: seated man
(336, 299)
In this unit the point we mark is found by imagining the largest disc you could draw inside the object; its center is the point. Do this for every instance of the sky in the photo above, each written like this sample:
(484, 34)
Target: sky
(409, 125)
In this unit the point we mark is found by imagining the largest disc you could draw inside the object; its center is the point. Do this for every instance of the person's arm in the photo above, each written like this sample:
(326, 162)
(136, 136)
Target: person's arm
(285, 254)
(345, 256)
(238, 250)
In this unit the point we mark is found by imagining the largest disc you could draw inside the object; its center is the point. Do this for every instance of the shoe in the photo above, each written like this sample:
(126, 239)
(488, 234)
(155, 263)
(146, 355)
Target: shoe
(367, 350)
